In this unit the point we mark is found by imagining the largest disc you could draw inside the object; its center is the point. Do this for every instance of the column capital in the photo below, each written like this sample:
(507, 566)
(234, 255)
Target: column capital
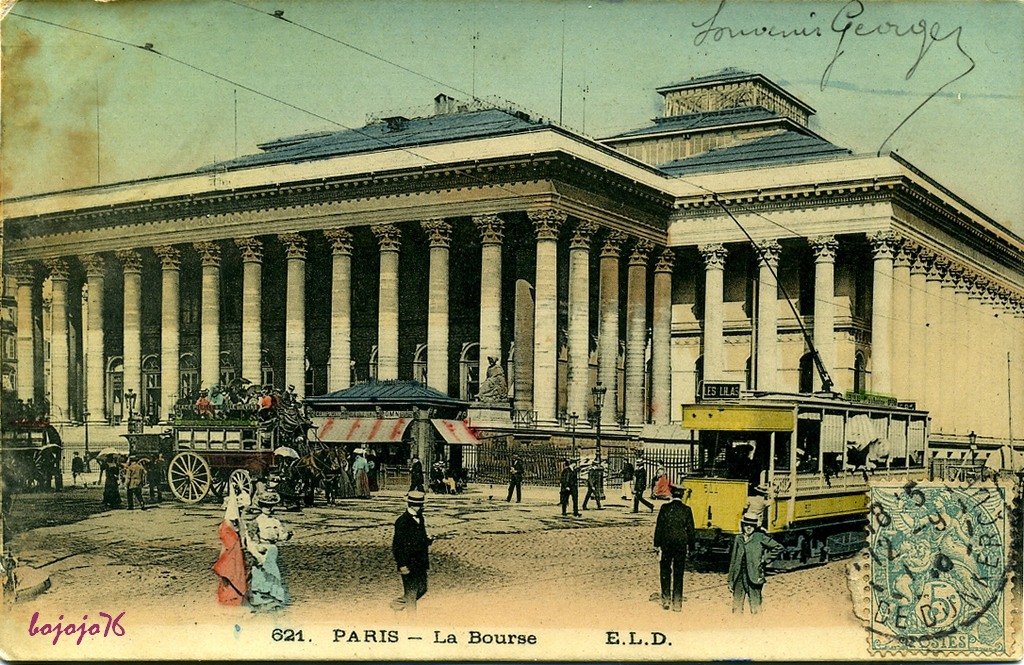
(24, 272)
(209, 253)
(714, 255)
(666, 261)
(341, 241)
(94, 265)
(922, 262)
(936, 268)
(546, 222)
(169, 255)
(769, 252)
(906, 255)
(389, 237)
(294, 245)
(491, 227)
(954, 274)
(251, 249)
(131, 260)
(883, 244)
(582, 235)
(824, 248)
(641, 252)
(58, 269)
(439, 232)
(612, 246)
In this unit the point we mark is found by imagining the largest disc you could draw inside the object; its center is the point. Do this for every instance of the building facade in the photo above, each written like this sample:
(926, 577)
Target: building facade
(727, 241)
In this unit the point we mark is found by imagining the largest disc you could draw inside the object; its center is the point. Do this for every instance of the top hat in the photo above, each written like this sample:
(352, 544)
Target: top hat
(415, 498)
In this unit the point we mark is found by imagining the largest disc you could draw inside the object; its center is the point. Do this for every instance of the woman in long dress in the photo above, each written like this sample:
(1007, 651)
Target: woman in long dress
(346, 489)
(662, 485)
(266, 588)
(111, 491)
(360, 474)
(232, 573)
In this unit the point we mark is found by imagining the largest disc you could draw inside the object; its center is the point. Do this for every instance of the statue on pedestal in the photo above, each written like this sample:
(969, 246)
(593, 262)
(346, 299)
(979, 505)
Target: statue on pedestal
(494, 388)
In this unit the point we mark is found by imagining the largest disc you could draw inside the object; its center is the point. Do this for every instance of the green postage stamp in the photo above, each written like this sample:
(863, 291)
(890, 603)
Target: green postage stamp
(942, 576)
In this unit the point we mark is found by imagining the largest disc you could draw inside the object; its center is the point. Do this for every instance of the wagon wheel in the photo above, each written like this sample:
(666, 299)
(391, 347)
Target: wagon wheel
(240, 481)
(189, 477)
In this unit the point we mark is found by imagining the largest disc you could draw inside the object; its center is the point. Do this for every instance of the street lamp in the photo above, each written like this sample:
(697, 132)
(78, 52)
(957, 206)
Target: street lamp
(598, 391)
(85, 419)
(129, 399)
(573, 419)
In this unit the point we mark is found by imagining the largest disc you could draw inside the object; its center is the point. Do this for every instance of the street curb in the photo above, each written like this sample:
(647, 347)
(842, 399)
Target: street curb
(32, 589)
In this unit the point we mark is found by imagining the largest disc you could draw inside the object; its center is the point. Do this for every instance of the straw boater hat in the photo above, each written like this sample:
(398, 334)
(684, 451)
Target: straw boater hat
(762, 488)
(752, 520)
(268, 499)
(415, 498)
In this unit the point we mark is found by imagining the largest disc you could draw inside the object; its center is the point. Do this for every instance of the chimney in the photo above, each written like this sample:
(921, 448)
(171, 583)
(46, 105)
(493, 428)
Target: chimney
(443, 104)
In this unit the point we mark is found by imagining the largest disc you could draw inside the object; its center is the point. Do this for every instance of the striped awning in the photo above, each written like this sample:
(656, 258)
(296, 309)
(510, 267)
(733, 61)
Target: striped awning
(455, 432)
(362, 430)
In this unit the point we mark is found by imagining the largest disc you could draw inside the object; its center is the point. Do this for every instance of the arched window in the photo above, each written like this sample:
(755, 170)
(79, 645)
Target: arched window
(372, 367)
(469, 371)
(859, 373)
(228, 373)
(419, 364)
(807, 373)
(115, 389)
(150, 406)
(189, 377)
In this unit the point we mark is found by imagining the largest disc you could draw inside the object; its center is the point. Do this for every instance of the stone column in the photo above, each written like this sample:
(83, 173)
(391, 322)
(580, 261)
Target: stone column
(608, 332)
(341, 309)
(93, 351)
(579, 399)
(824, 248)
(546, 224)
(961, 331)
(60, 408)
(916, 358)
(636, 331)
(209, 317)
(170, 318)
(661, 340)
(714, 337)
(492, 232)
(932, 366)
(389, 238)
(882, 248)
(252, 308)
(25, 337)
(439, 234)
(295, 312)
(768, 315)
(901, 321)
(949, 345)
(131, 266)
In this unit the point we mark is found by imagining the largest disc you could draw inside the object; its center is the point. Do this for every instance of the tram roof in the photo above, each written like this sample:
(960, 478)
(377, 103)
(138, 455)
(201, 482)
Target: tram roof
(803, 399)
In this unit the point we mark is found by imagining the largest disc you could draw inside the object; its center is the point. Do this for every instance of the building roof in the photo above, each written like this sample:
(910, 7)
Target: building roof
(733, 75)
(787, 147)
(412, 393)
(387, 133)
(703, 120)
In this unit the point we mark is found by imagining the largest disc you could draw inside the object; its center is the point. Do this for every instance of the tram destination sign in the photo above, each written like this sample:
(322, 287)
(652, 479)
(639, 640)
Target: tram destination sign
(712, 390)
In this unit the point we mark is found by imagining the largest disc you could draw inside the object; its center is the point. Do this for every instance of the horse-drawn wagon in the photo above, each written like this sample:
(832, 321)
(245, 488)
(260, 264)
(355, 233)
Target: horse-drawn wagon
(32, 454)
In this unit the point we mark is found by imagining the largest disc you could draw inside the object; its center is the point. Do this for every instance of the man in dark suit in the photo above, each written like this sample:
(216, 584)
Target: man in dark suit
(515, 479)
(416, 474)
(410, 548)
(752, 550)
(640, 487)
(674, 536)
(595, 482)
(570, 487)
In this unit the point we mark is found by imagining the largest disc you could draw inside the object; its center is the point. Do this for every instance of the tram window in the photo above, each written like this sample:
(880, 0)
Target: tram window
(782, 443)
(737, 455)
(808, 447)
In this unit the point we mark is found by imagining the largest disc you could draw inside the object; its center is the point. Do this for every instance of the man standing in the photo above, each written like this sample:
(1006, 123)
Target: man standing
(570, 487)
(416, 474)
(410, 548)
(135, 478)
(640, 486)
(595, 484)
(627, 479)
(674, 535)
(752, 550)
(77, 467)
(515, 479)
(155, 476)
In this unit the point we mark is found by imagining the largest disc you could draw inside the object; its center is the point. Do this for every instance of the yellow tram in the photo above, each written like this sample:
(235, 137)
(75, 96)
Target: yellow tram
(801, 463)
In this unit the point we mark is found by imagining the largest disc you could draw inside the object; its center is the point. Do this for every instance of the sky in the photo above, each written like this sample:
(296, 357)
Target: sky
(79, 109)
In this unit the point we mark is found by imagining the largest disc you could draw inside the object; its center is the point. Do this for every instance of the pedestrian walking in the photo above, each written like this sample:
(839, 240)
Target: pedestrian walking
(156, 473)
(595, 483)
(230, 567)
(267, 590)
(570, 487)
(411, 549)
(135, 478)
(515, 479)
(77, 467)
(360, 471)
(640, 486)
(111, 491)
(752, 551)
(416, 474)
(627, 479)
(674, 536)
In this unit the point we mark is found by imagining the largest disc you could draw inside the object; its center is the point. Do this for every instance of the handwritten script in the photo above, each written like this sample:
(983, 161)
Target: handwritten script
(846, 25)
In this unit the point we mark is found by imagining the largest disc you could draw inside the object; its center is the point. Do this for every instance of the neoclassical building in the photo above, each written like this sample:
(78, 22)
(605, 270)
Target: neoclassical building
(719, 242)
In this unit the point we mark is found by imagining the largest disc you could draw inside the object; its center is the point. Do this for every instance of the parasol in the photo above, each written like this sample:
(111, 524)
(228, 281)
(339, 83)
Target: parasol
(285, 451)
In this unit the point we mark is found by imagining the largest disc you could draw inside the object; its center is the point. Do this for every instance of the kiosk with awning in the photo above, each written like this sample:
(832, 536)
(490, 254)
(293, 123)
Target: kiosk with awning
(394, 419)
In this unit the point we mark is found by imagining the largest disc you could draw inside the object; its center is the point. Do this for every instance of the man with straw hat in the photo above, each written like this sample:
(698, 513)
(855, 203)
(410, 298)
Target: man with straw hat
(752, 551)
(410, 547)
